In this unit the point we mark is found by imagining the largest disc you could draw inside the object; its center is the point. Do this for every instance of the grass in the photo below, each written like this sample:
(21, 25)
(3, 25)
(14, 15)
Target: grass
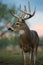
(17, 59)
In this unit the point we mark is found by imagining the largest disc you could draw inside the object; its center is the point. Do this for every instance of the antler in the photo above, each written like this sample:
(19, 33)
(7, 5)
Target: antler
(26, 14)
(29, 15)
(17, 16)
(25, 10)
(29, 7)
(13, 14)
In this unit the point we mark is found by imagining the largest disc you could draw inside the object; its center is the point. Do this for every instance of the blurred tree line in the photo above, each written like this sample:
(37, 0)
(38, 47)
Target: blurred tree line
(41, 41)
(6, 17)
(5, 12)
(4, 42)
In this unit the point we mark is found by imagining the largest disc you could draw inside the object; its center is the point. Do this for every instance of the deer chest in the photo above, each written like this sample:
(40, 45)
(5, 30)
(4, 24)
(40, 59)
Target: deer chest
(25, 44)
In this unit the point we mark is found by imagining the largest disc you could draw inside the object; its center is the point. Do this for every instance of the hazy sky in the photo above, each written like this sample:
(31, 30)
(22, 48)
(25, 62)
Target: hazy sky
(37, 21)
(37, 3)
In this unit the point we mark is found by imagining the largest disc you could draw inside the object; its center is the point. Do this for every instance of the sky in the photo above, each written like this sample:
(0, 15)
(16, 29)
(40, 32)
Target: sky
(36, 22)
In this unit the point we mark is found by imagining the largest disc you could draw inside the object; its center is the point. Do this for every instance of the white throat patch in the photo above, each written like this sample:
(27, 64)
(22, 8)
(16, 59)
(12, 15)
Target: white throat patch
(21, 32)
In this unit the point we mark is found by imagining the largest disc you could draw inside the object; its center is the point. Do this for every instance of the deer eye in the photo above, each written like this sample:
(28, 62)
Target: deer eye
(17, 24)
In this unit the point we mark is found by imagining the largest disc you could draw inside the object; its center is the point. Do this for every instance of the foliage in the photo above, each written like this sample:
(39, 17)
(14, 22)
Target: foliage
(5, 15)
(4, 42)
(14, 40)
(41, 41)
(5, 12)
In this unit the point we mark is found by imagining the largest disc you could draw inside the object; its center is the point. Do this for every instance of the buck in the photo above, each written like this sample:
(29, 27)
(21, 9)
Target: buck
(29, 39)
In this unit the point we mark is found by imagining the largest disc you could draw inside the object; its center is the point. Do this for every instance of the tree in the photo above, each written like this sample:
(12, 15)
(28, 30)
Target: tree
(4, 42)
(41, 41)
(5, 15)
(5, 12)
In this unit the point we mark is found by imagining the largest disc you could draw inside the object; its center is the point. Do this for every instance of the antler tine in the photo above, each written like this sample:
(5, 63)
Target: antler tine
(29, 6)
(20, 6)
(34, 12)
(13, 14)
(25, 10)
(20, 14)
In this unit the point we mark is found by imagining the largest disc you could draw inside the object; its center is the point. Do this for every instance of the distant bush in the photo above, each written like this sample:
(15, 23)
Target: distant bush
(41, 41)
(4, 42)
(14, 40)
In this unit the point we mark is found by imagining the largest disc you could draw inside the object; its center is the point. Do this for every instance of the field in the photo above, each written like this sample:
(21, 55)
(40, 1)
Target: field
(11, 58)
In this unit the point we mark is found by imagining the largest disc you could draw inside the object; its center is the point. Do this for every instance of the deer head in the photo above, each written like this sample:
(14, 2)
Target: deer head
(20, 24)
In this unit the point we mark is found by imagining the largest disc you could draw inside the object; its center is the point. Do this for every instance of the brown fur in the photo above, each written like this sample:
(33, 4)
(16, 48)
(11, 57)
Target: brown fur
(28, 41)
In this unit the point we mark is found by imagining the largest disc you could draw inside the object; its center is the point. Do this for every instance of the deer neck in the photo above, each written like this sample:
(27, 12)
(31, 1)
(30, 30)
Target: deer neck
(25, 31)
(28, 32)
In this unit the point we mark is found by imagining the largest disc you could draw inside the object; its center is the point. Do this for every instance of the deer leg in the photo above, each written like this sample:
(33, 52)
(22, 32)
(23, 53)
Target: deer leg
(24, 57)
(31, 58)
(35, 54)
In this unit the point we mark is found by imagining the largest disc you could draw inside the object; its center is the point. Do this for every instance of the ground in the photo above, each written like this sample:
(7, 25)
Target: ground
(9, 58)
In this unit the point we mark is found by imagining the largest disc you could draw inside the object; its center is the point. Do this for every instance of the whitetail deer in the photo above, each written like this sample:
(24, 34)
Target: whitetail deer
(29, 39)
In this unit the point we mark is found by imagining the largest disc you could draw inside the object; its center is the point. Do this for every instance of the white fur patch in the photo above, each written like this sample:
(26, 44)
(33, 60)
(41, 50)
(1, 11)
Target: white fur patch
(34, 56)
(21, 32)
(34, 59)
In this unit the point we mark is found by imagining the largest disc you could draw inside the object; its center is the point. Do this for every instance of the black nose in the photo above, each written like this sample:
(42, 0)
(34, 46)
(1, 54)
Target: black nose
(10, 29)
